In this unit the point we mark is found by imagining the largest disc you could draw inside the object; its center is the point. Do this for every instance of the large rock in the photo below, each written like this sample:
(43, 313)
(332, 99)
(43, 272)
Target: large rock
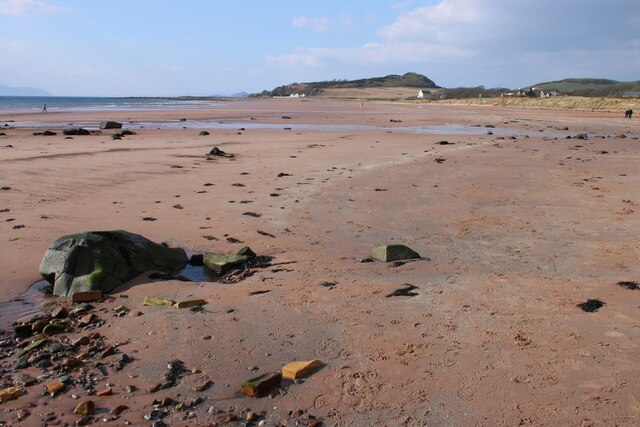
(393, 253)
(102, 260)
(110, 125)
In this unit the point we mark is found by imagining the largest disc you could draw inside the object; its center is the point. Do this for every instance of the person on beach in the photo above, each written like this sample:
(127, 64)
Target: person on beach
(44, 109)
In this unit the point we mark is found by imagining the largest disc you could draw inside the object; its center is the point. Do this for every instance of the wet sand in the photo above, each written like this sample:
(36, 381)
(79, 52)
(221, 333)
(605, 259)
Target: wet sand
(514, 232)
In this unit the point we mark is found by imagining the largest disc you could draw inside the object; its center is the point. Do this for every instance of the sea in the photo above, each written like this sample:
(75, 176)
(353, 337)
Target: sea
(81, 103)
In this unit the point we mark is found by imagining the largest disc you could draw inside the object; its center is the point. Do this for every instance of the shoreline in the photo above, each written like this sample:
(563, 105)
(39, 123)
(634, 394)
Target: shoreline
(514, 229)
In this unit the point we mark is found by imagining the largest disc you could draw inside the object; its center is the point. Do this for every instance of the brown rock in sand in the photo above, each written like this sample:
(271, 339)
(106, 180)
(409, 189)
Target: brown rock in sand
(86, 296)
(295, 370)
(88, 407)
(260, 386)
(10, 393)
(55, 387)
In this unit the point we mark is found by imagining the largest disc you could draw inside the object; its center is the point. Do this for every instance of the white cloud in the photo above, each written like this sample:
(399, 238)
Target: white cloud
(27, 8)
(317, 25)
(13, 47)
(492, 42)
(401, 5)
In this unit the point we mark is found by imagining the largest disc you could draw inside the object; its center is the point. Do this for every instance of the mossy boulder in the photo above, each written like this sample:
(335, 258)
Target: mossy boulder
(222, 263)
(389, 253)
(102, 260)
(110, 125)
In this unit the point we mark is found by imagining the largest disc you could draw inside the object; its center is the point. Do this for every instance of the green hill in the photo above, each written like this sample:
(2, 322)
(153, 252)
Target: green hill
(590, 87)
(313, 88)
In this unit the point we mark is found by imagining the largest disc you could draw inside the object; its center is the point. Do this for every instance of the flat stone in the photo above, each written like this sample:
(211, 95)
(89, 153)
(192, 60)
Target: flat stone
(26, 380)
(54, 329)
(222, 263)
(87, 319)
(59, 313)
(262, 385)
(11, 393)
(302, 369)
(55, 386)
(157, 301)
(88, 407)
(190, 303)
(86, 296)
(388, 253)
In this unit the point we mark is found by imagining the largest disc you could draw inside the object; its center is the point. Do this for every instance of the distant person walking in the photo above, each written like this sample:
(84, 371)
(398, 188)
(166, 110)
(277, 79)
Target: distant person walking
(44, 109)
(628, 113)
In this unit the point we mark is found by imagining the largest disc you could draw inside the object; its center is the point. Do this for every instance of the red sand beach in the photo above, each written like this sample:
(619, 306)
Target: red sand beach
(515, 228)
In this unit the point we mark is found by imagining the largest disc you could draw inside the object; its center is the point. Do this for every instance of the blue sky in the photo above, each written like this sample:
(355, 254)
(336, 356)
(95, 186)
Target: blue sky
(199, 47)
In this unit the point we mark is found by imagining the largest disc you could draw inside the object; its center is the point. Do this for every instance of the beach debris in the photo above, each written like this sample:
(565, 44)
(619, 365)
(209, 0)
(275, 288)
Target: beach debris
(190, 303)
(261, 386)
(11, 393)
(329, 285)
(76, 131)
(629, 284)
(87, 407)
(591, 305)
(264, 233)
(116, 136)
(252, 214)
(443, 143)
(522, 340)
(301, 369)
(440, 160)
(406, 291)
(203, 133)
(281, 174)
(45, 133)
(102, 260)
(395, 121)
(110, 125)
(265, 291)
(394, 252)
(176, 371)
(86, 296)
(149, 218)
(286, 117)
(152, 301)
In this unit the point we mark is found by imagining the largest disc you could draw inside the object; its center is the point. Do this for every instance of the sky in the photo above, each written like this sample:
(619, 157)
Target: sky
(219, 47)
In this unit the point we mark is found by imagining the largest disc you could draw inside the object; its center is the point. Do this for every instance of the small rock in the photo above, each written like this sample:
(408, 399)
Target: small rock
(87, 319)
(118, 410)
(59, 313)
(86, 296)
(55, 387)
(388, 253)
(157, 301)
(295, 370)
(105, 392)
(54, 329)
(262, 385)
(10, 393)
(88, 407)
(110, 125)
(190, 303)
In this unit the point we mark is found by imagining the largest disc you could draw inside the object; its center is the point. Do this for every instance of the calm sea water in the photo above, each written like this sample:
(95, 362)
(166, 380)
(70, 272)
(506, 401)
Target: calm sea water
(76, 103)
